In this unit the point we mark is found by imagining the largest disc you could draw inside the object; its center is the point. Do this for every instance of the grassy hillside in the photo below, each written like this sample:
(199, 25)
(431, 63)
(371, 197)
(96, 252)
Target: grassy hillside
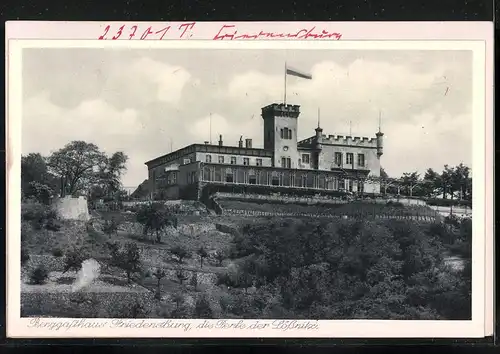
(254, 267)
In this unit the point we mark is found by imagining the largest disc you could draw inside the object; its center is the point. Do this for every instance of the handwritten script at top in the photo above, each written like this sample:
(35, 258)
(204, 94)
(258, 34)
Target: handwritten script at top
(224, 32)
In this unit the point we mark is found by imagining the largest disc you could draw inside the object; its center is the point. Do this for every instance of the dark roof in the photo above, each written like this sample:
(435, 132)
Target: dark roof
(236, 150)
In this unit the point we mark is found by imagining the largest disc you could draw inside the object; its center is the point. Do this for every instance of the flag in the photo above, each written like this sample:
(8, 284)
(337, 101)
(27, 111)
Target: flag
(297, 73)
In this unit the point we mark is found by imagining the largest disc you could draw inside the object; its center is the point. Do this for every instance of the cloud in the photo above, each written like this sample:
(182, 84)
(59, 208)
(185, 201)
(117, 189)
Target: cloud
(231, 130)
(144, 81)
(47, 127)
(141, 102)
(418, 109)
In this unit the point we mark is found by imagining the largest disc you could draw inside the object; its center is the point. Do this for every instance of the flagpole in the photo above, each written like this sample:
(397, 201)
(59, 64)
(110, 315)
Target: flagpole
(284, 98)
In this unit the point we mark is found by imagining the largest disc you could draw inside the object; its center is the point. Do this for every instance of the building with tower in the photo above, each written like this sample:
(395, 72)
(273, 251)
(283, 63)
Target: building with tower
(321, 164)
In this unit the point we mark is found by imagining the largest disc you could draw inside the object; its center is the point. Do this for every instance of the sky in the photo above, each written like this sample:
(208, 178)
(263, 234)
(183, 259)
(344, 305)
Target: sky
(146, 102)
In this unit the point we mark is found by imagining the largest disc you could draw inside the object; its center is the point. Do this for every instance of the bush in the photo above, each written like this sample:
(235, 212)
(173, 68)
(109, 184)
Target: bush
(57, 252)
(39, 275)
(74, 259)
(40, 216)
(450, 202)
(25, 257)
(202, 308)
(180, 252)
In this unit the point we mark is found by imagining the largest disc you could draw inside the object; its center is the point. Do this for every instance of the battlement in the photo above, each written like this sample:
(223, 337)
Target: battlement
(281, 110)
(349, 140)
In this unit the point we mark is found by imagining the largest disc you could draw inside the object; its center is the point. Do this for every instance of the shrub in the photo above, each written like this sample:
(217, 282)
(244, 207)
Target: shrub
(25, 257)
(73, 260)
(40, 216)
(202, 308)
(57, 252)
(39, 275)
(110, 226)
(180, 252)
(450, 202)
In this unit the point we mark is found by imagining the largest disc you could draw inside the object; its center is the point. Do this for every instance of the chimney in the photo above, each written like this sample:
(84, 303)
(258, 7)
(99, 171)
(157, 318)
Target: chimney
(220, 140)
(248, 143)
(240, 143)
(207, 142)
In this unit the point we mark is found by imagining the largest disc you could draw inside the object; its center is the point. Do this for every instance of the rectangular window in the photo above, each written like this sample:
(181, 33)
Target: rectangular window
(187, 161)
(233, 160)
(349, 158)
(361, 160)
(259, 162)
(221, 159)
(305, 158)
(174, 178)
(246, 161)
(208, 158)
(341, 184)
(338, 158)
(286, 162)
(286, 133)
(349, 185)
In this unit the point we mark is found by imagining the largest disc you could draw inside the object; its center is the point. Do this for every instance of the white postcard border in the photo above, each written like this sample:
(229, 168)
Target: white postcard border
(22, 327)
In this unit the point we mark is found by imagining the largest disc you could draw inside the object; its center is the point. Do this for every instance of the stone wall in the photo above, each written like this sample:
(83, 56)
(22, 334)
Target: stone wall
(70, 208)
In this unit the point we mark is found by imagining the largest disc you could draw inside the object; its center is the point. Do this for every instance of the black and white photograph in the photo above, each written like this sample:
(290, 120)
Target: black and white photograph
(272, 182)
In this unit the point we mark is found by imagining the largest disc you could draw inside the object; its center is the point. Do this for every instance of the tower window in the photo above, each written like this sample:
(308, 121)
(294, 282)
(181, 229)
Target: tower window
(349, 158)
(361, 160)
(305, 158)
(286, 133)
(338, 158)
(259, 162)
(233, 160)
(221, 159)
(246, 161)
(208, 158)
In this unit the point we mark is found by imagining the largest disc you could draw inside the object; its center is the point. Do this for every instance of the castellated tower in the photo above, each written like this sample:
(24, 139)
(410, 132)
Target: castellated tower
(280, 133)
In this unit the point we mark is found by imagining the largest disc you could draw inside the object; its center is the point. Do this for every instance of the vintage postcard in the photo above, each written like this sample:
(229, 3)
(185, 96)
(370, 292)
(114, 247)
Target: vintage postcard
(306, 180)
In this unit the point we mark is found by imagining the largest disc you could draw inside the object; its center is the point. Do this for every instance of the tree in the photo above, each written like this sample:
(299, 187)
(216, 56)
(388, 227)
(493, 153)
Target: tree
(180, 252)
(159, 274)
(202, 253)
(432, 183)
(154, 218)
(460, 180)
(181, 276)
(127, 258)
(110, 227)
(194, 280)
(109, 174)
(76, 165)
(220, 255)
(81, 166)
(383, 174)
(410, 181)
